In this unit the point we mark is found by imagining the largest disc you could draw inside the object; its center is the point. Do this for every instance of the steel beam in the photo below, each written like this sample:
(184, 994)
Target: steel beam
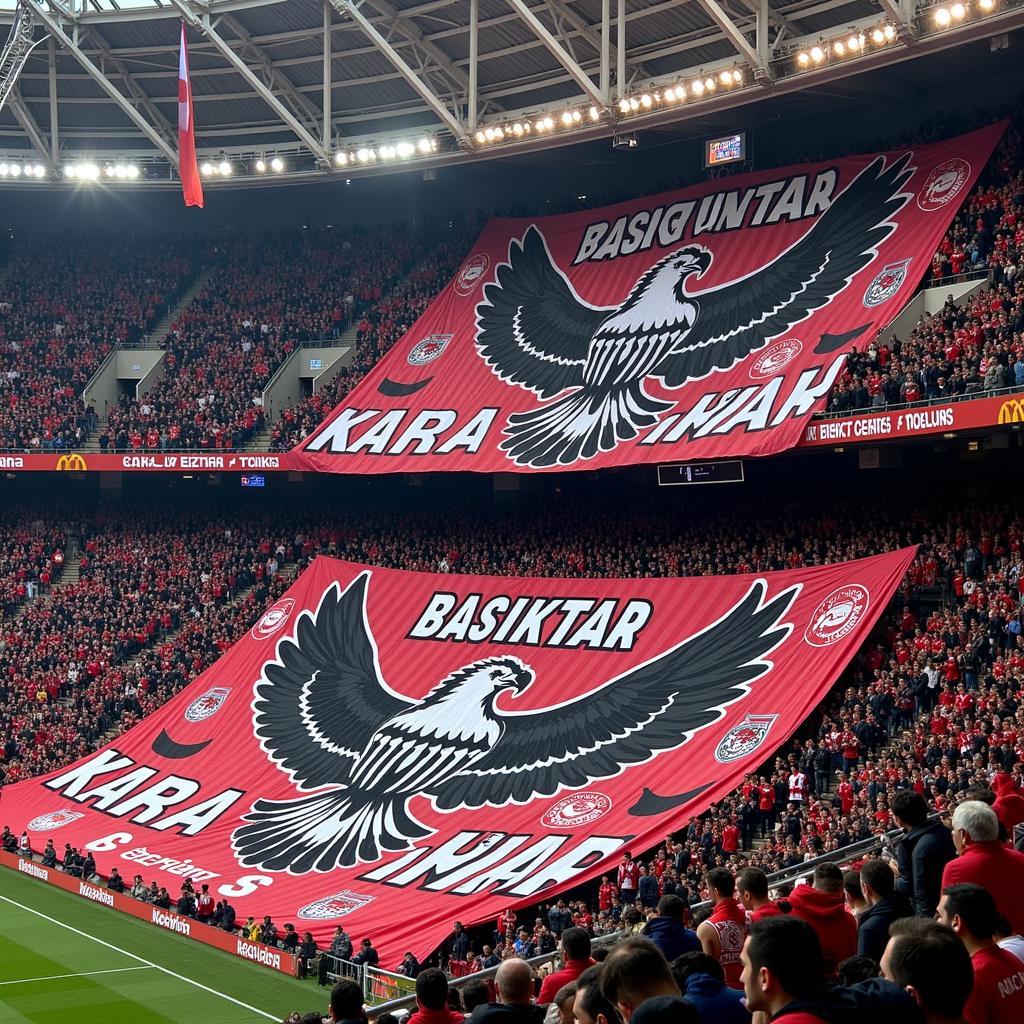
(427, 94)
(275, 78)
(555, 48)
(137, 94)
(620, 50)
(472, 106)
(606, 50)
(55, 29)
(327, 136)
(51, 73)
(255, 82)
(736, 37)
(411, 32)
(24, 117)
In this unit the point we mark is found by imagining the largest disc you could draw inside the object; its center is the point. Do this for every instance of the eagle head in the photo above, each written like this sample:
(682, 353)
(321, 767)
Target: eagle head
(504, 673)
(691, 259)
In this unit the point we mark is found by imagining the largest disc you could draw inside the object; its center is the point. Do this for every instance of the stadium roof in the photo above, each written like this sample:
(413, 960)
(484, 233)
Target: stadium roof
(364, 87)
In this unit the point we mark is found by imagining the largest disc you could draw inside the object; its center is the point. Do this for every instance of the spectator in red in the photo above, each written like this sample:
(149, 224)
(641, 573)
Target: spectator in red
(752, 886)
(1009, 804)
(929, 962)
(823, 906)
(998, 993)
(432, 999)
(722, 934)
(576, 959)
(629, 878)
(983, 860)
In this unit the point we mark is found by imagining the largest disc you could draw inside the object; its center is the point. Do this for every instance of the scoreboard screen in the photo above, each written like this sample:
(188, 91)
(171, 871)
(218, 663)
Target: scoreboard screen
(727, 150)
(254, 480)
(682, 474)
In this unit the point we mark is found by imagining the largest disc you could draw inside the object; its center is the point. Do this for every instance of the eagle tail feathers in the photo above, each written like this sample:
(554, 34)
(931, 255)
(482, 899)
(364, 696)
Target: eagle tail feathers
(323, 832)
(580, 425)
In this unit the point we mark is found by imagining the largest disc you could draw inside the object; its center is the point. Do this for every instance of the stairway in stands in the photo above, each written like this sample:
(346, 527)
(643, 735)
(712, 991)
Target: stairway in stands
(156, 337)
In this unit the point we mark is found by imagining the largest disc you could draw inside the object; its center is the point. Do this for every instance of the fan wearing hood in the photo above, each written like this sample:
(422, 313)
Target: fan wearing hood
(823, 906)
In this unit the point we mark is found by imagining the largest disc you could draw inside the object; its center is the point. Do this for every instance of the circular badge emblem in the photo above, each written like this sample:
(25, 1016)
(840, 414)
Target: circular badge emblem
(46, 822)
(775, 357)
(944, 184)
(837, 616)
(744, 738)
(472, 273)
(574, 811)
(428, 349)
(273, 619)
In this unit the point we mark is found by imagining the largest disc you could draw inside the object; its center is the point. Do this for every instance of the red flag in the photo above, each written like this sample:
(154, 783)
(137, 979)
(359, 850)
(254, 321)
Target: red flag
(188, 169)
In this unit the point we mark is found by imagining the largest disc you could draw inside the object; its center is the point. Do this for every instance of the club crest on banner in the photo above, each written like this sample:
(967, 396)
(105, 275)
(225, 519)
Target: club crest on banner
(273, 619)
(338, 905)
(775, 357)
(744, 738)
(837, 615)
(472, 273)
(207, 705)
(55, 819)
(574, 811)
(428, 349)
(886, 284)
(943, 184)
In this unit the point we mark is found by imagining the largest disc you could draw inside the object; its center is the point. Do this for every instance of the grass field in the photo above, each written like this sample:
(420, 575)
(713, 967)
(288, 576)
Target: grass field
(64, 959)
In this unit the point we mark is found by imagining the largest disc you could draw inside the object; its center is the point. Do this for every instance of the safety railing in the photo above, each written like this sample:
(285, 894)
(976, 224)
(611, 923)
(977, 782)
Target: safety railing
(921, 403)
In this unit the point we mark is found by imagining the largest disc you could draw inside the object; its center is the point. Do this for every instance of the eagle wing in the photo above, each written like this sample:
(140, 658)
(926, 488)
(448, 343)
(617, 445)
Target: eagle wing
(739, 317)
(653, 707)
(532, 328)
(320, 701)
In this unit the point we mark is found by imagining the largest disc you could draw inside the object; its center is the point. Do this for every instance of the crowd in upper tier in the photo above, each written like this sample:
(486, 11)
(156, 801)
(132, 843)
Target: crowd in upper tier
(65, 301)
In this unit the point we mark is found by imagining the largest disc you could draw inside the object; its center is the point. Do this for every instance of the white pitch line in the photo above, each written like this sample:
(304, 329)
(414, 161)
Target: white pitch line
(141, 960)
(83, 974)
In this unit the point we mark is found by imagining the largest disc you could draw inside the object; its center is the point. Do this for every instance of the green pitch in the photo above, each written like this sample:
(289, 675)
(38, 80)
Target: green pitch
(63, 959)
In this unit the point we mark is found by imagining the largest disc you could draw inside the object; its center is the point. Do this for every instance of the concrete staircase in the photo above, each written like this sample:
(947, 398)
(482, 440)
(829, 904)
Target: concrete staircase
(260, 442)
(157, 336)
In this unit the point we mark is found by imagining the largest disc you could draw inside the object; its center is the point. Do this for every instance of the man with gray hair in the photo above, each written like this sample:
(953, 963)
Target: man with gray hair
(983, 860)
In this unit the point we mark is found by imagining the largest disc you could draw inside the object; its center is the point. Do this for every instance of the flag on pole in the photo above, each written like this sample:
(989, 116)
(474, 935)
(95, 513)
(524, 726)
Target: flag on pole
(188, 169)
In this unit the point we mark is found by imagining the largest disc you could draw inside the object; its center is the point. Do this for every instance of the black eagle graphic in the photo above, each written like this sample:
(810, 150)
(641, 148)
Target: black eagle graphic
(326, 717)
(533, 330)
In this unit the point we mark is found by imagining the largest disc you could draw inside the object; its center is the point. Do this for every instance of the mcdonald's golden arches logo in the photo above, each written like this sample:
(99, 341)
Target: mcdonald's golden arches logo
(1011, 411)
(75, 462)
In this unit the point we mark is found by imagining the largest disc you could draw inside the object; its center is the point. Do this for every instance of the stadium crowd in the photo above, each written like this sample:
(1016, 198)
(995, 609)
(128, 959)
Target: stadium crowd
(265, 297)
(266, 294)
(94, 654)
(381, 324)
(65, 302)
(964, 349)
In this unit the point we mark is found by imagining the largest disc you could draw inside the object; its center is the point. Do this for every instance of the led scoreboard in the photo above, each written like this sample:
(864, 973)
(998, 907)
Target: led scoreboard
(728, 149)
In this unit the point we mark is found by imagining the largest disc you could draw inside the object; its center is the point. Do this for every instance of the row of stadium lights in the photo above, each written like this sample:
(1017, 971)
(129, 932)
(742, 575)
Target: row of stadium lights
(30, 171)
(697, 89)
(627, 106)
(847, 46)
(946, 16)
(342, 158)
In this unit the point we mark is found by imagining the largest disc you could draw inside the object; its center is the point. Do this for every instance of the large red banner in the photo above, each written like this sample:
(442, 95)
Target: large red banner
(393, 751)
(695, 324)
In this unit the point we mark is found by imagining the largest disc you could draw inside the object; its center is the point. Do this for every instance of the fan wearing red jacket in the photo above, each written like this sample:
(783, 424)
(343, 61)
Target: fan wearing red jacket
(823, 907)
(998, 993)
(605, 893)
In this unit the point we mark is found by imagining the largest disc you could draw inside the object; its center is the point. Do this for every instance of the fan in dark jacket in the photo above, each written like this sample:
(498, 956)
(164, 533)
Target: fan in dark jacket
(885, 905)
(668, 932)
(924, 851)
